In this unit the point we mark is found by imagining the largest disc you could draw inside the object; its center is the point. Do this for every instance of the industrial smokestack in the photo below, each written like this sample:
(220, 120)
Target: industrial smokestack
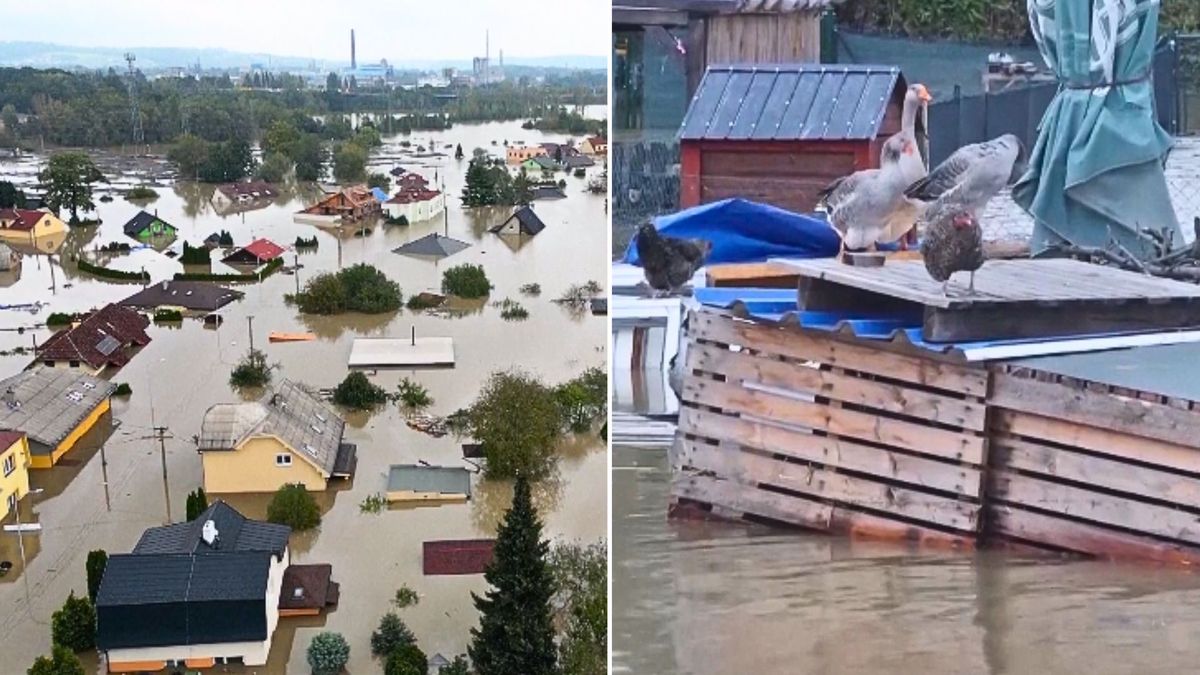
(353, 59)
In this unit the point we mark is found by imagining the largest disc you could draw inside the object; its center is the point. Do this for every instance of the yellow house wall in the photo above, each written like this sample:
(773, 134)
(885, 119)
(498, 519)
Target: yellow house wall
(47, 226)
(18, 480)
(251, 468)
(48, 461)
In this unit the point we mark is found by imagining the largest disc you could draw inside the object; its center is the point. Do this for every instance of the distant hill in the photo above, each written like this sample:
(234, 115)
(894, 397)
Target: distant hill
(49, 55)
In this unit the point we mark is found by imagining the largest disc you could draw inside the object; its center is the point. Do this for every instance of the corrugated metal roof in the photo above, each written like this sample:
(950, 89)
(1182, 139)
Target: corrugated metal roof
(779, 306)
(789, 102)
(49, 403)
(443, 479)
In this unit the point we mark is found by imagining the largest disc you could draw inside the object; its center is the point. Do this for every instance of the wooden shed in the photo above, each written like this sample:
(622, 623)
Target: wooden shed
(777, 134)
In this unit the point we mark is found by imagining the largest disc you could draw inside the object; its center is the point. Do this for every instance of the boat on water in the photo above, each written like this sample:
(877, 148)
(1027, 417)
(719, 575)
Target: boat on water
(291, 337)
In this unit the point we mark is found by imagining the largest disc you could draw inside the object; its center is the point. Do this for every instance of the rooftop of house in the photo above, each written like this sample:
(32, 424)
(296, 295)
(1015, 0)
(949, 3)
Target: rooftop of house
(544, 162)
(99, 339)
(299, 418)
(196, 295)
(418, 478)
(255, 189)
(262, 249)
(235, 533)
(47, 404)
(529, 221)
(8, 437)
(20, 219)
(142, 220)
(413, 195)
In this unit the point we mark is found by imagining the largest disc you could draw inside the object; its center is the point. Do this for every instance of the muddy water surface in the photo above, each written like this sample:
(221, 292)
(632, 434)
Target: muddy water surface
(185, 370)
(712, 598)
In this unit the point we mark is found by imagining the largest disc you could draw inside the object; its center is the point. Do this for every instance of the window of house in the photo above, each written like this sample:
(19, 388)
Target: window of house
(283, 459)
(10, 463)
(12, 502)
(74, 364)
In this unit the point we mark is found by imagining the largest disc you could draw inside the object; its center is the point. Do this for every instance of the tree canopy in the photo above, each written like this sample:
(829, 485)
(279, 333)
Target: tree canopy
(518, 422)
(358, 288)
(67, 180)
(293, 506)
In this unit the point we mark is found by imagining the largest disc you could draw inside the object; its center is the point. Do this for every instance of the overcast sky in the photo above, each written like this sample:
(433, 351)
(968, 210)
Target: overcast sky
(398, 30)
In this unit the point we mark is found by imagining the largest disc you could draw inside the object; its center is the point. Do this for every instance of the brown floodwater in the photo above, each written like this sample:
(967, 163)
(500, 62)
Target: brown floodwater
(186, 368)
(709, 598)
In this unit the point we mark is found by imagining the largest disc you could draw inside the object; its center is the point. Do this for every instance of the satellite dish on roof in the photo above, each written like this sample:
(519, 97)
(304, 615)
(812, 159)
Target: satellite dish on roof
(209, 533)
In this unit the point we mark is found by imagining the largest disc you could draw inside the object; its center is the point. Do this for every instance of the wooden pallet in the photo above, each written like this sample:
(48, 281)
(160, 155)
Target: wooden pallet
(1013, 299)
(806, 430)
(1078, 466)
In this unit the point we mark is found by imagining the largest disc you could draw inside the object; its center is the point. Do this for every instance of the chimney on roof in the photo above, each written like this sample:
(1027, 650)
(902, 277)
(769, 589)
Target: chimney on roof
(209, 533)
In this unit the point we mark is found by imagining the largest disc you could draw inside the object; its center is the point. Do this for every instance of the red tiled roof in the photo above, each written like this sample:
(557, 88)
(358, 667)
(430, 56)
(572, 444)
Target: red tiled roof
(263, 249)
(22, 219)
(410, 196)
(255, 189)
(461, 556)
(411, 179)
(100, 339)
(317, 589)
(597, 140)
(8, 437)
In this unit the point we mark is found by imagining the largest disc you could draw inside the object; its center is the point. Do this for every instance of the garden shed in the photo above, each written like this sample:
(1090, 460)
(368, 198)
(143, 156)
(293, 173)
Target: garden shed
(779, 133)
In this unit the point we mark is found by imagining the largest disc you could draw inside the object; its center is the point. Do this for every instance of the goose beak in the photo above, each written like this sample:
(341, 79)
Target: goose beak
(923, 94)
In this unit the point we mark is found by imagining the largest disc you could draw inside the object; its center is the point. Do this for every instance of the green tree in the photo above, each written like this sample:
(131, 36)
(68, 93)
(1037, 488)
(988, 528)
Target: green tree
(97, 560)
(251, 371)
(581, 606)
(356, 392)
(310, 156)
(11, 196)
(358, 288)
(518, 422)
(379, 180)
(292, 505)
(516, 633)
(466, 281)
(228, 161)
(583, 400)
(406, 660)
(333, 83)
(74, 625)
(458, 666)
(391, 635)
(197, 503)
(282, 137)
(405, 597)
(328, 653)
(349, 163)
(458, 153)
(275, 167)
(367, 137)
(8, 117)
(189, 154)
(67, 180)
(62, 661)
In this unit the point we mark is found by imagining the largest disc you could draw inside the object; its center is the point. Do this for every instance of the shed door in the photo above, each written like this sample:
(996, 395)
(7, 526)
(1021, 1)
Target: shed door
(789, 179)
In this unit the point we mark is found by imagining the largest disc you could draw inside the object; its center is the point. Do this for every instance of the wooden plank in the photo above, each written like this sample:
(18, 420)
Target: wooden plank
(1076, 318)
(1021, 490)
(745, 367)
(722, 328)
(726, 496)
(819, 295)
(1088, 539)
(1131, 416)
(753, 275)
(1010, 453)
(952, 445)
(827, 164)
(730, 462)
(833, 452)
(1102, 441)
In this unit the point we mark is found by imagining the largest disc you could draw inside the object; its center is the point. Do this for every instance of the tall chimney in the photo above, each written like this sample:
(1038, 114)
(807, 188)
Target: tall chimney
(353, 60)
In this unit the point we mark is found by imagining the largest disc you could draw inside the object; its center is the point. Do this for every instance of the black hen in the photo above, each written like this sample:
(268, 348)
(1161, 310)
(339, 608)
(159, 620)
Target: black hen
(953, 242)
(669, 263)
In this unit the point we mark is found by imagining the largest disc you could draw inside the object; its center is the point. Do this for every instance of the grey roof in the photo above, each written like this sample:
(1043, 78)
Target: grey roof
(49, 403)
(544, 162)
(529, 221)
(235, 533)
(790, 102)
(578, 161)
(142, 220)
(299, 418)
(134, 579)
(198, 295)
(434, 244)
(443, 479)
(547, 192)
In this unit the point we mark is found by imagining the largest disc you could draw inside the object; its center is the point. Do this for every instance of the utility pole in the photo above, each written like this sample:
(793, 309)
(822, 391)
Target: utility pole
(160, 432)
(139, 138)
(296, 273)
(250, 321)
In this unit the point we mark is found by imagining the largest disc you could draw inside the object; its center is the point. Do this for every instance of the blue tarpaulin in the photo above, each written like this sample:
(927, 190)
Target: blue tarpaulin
(379, 194)
(744, 231)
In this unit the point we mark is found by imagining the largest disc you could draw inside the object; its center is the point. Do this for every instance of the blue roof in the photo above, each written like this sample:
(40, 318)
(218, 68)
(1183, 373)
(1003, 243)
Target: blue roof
(790, 102)
(379, 194)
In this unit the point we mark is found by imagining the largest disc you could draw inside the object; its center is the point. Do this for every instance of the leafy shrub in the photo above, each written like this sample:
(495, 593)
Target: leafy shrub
(74, 626)
(328, 653)
(359, 288)
(413, 395)
(141, 193)
(398, 220)
(118, 275)
(251, 371)
(359, 393)
(270, 268)
(407, 660)
(422, 301)
(373, 503)
(97, 560)
(511, 310)
(301, 242)
(61, 319)
(466, 281)
(531, 289)
(116, 247)
(167, 315)
(391, 635)
(197, 503)
(583, 400)
(518, 422)
(195, 255)
(405, 597)
(123, 389)
(62, 661)
(293, 506)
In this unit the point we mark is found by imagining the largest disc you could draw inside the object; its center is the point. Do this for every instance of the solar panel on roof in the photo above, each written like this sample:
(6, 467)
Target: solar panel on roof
(108, 345)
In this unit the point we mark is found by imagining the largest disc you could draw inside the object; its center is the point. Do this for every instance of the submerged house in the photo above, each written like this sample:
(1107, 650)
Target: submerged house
(187, 295)
(198, 594)
(594, 145)
(518, 154)
(414, 199)
(542, 164)
(522, 221)
(14, 479)
(242, 196)
(255, 253)
(288, 436)
(106, 337)
(347, 205)
(54, 408)
(25, 226)
(418, 483)
(150, 229)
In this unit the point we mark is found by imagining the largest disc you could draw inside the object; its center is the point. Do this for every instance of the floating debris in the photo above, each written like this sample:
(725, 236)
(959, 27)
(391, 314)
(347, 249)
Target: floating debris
(430, 424)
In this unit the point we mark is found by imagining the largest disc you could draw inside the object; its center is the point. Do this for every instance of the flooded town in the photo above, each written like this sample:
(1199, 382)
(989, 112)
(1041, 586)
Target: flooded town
(142, 446)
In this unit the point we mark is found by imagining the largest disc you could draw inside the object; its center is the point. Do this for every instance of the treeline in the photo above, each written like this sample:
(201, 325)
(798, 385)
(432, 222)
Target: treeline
(92, 109)
(490, 184)
(562, 120)
(976, 19)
